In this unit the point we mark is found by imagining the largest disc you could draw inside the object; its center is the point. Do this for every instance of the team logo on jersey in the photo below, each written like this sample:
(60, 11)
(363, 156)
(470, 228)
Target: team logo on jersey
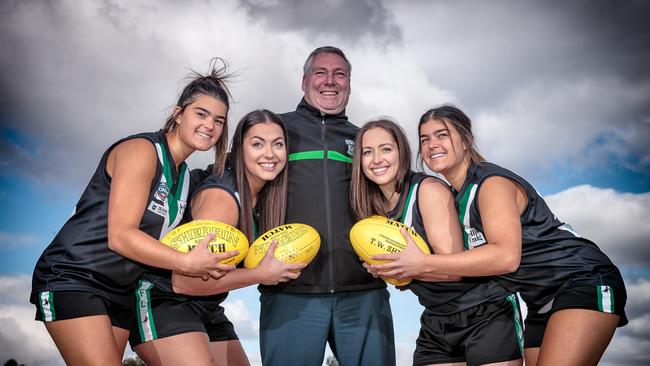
(350, 144)
(161, 192)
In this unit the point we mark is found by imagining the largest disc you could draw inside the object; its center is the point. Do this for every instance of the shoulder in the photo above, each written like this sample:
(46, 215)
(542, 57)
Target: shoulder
(225, 182)
(432, 187)
(137, 150)
(501, 189)
(215, 204)
(494, 178)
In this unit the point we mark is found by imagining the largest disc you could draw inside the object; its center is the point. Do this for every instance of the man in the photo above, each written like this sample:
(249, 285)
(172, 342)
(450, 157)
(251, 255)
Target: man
(334, 300)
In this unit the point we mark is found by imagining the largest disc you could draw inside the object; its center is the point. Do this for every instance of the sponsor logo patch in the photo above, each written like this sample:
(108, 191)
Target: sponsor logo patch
(475, 238)
(157, 208)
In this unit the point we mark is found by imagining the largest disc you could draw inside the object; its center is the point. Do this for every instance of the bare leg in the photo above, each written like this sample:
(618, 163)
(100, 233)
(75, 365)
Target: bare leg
(229, 353)
(182, 349)
(517, 362)
(121, 336)
(576, 337)
(147, 353)
(531, 355)
(87, 340)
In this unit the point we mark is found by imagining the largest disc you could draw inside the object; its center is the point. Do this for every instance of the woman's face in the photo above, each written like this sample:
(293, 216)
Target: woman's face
(265, 153)
(380, 157)
(201, 123)
(441, 146)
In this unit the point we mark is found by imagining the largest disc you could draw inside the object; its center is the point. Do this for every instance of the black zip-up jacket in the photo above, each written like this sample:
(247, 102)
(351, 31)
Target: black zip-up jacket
(320, 157)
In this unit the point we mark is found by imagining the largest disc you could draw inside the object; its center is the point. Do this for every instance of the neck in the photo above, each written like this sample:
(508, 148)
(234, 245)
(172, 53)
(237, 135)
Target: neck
(179, 151)
(255, 185)
(391, 196)
(456, 176)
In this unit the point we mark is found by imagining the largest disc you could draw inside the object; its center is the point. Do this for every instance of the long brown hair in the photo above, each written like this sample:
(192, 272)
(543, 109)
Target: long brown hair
(213, 84)
(366, 198)
(271, 200)
(451, 115)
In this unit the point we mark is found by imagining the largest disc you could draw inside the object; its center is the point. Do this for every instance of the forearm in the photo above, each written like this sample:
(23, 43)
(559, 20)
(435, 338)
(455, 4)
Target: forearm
(196, 286)
(486, 260)
(431, 277)
(140, 247)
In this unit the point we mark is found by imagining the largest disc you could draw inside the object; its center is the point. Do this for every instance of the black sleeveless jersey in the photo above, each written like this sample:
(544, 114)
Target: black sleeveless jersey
(78, 259)
(553, 255)
(443, 298)
(201, 179)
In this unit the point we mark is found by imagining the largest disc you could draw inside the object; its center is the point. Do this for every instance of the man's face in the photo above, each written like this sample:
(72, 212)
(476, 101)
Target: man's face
(327, 84)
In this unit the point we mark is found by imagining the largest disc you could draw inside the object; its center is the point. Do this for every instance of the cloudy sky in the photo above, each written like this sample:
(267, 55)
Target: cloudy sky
(558, 91)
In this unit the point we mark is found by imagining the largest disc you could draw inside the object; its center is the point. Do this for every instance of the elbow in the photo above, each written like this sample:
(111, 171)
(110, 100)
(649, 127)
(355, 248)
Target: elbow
(510, 263)
(178, 286)
(454, 278)
(114, 242)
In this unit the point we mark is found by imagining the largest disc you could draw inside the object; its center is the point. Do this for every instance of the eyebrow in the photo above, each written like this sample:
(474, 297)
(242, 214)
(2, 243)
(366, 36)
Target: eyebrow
(208, 112)
(381, 145)
(263, 139)
(325, 69)
(436, 131)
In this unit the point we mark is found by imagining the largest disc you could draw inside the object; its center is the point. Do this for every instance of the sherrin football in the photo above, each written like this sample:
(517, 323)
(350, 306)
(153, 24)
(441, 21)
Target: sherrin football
(297, 243)
(381, 235)
(185, 237)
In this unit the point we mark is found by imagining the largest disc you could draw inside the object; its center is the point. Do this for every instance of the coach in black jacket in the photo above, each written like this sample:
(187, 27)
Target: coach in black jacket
(334, 300)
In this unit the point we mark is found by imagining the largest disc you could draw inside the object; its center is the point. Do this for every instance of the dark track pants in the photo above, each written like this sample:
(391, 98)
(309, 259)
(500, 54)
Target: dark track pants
(294, 328)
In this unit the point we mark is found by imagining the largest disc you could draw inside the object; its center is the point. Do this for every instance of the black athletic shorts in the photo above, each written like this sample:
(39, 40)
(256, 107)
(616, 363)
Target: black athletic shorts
(605, 299)
(62, 305)
(487, 333)
(161, 314)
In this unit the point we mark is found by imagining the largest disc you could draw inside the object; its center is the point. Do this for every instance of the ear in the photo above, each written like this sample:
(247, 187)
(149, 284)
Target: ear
(176, 112)
(304, 83)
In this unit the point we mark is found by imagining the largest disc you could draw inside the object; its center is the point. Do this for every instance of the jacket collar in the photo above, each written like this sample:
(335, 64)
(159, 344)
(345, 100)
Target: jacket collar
(309, 110)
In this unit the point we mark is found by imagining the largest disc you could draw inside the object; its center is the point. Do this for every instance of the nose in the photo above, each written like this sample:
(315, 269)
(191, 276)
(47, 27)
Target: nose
(376, 158)
(268, 151)
(330, 78)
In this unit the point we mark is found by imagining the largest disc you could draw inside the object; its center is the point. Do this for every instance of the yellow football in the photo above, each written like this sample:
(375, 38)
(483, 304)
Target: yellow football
(297, 243)
(381, 235)
(185, 237)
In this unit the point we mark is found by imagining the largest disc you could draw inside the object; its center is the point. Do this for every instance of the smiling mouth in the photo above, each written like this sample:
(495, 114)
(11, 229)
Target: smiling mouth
(436, 155)
(204, 135)
(380, 170)
(268, 166)
(329, 93)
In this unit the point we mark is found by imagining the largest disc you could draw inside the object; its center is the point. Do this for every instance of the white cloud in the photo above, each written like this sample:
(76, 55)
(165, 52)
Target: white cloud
(616, 222)
(84, 74)
(630, 343)
(568, 123)
(21, 337)
(238, 313)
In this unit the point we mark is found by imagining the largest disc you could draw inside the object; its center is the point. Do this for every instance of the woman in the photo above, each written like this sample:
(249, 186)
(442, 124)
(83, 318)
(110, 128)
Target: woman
(574, 294)
(473, 321)
(179, 329)
(84, 281)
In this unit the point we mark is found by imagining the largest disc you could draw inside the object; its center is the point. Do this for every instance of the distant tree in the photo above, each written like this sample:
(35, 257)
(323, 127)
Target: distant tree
(12, 362)
(133, 361)
(331, 361)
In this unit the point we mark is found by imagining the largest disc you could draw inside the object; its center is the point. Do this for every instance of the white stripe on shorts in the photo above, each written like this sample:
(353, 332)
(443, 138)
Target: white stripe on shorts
(46, 306)
(145, 323)
(606, 294)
